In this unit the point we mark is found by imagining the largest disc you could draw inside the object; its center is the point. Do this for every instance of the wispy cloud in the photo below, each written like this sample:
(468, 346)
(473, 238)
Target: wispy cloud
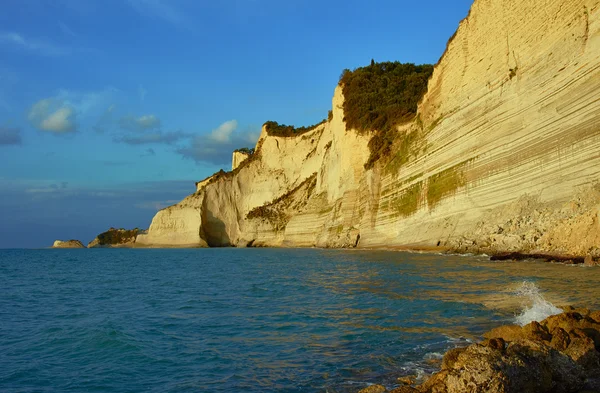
(157, 137)
(216, 147)
(36, 46)
(10, 136)
(161, 9)
(156, 205)
(67, 30)
(105, 120)
(142, 92)
(142, 123)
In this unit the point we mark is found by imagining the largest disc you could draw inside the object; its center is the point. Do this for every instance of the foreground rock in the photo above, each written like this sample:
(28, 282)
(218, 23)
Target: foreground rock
(559, 355)
(68, 244)
(115, 238)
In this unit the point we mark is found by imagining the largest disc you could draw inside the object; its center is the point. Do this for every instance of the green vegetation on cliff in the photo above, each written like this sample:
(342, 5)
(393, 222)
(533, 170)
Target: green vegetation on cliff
(245, 150)
(283, 130)
(276, 211)
(381, 96)
(114, 237)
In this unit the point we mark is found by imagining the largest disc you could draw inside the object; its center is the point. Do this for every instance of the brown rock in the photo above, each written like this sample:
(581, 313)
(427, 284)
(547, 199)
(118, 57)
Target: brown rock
(560, 339)
(436, 383)
(536, 332)
(450, 357)
(373, 389)
(495, 343)
(595, 315)
(573, 320)
(407, 380)
(589, 261)
(583, 351)
(525, 367)
(405, 389)
(507, 333)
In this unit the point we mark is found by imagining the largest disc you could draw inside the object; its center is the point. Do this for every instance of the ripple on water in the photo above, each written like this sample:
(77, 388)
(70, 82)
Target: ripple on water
(255, 320)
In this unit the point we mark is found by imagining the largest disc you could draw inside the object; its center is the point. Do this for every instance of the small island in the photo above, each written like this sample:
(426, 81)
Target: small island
(68, 244)
(115, 238)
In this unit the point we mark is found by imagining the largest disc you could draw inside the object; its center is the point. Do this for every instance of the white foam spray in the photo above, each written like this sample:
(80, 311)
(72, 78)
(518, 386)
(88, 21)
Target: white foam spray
(535, 307)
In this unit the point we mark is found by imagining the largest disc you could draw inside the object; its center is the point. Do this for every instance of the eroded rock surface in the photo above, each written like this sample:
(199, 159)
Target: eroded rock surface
(501, 157)
(559, 355)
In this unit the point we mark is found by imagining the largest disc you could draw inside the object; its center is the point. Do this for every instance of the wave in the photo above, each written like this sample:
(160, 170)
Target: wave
(535, 306)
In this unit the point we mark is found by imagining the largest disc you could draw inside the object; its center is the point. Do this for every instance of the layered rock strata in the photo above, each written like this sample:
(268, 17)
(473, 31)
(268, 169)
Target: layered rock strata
(501, 157)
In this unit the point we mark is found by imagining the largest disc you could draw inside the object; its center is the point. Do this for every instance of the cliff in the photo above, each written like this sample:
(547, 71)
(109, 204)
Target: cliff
(237, 158)
(501, 156)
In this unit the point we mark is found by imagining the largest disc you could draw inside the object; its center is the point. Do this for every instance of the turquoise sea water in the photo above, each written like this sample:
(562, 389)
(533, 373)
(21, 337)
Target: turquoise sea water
(254, 320)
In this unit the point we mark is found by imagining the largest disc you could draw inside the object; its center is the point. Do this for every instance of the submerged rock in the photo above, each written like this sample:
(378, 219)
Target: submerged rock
(68, 244)
(558, 355)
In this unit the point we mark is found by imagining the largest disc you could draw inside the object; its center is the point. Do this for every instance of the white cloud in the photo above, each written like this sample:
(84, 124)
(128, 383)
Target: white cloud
(142, 123)
(222, 134)
(32, 45)
(60, 121)
(216, 147)
(52, 115)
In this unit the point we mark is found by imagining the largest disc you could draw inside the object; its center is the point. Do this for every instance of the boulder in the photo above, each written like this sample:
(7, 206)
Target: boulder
(374, 389)
(557, 355)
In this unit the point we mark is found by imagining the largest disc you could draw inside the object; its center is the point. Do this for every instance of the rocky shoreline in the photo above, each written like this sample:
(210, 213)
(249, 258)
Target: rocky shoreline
(122, 238)
(560, 354)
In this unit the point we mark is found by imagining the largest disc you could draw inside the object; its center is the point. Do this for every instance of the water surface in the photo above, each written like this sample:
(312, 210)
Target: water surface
(253, 320)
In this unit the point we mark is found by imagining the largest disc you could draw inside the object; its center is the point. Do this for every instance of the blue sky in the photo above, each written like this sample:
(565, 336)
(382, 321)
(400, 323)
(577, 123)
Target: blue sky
(112, 109)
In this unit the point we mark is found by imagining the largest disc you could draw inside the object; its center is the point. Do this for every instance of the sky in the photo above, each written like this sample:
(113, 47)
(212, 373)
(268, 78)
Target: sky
(112, 109)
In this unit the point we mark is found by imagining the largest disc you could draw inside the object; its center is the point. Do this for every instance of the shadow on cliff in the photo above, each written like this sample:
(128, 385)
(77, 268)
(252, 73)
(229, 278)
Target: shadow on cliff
(214, 231)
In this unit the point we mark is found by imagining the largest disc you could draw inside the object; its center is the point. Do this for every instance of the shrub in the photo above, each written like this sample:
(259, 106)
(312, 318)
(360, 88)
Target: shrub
(117, 236)
(379, 97)
(245, 150)
(282, 130)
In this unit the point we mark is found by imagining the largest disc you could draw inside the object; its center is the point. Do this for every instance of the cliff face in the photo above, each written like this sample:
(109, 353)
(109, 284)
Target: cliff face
(237, 158)
(502, 156)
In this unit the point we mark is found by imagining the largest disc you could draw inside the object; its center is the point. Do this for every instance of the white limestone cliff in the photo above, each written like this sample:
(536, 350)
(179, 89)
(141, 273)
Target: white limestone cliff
(501, 157)
(237, 158)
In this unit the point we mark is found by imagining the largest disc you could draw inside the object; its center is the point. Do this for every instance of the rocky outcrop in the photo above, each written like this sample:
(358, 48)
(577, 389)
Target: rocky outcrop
(177, 226)
(115, 238)
(68, 244)
(501, 156)
(237, 158)
(559, 354)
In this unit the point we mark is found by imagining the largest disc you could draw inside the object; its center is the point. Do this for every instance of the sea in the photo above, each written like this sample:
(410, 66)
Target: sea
(257, 320)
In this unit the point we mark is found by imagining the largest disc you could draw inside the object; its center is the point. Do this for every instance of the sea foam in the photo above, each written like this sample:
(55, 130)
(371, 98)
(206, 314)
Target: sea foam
(535, 307)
